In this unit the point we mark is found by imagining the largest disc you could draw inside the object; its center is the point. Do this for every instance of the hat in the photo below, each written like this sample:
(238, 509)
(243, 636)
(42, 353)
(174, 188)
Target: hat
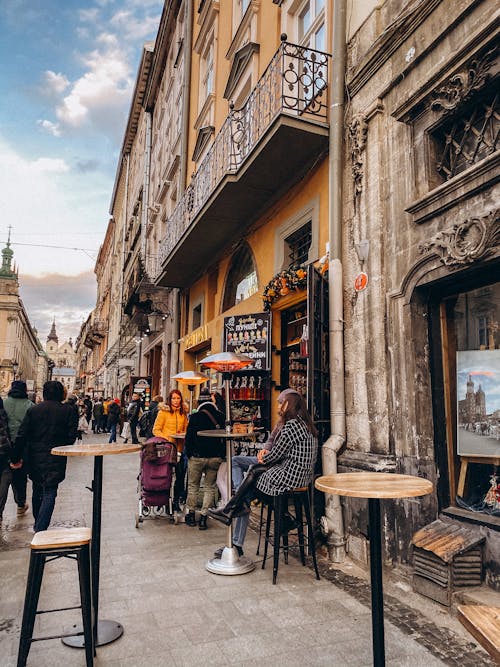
(285, 393)
(19, 386)
(205, 394)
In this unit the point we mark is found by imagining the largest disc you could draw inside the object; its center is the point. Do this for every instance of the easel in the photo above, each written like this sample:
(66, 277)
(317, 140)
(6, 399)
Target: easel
(464, 463)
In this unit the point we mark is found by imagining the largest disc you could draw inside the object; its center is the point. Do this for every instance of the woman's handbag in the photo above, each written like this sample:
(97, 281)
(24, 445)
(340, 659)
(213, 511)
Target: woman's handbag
(125, 434)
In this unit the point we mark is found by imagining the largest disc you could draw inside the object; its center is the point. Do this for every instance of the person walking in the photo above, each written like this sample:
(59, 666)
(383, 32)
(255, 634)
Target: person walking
(204, 456)
(16, 406)
(113, 419)
(289, 465)
(48, 424)
(5, 459)
(172, 418)
(133, 415)
(97, 414)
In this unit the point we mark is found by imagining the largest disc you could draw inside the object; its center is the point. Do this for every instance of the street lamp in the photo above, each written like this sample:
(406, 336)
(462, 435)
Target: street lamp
(191, 379)
(15, 366)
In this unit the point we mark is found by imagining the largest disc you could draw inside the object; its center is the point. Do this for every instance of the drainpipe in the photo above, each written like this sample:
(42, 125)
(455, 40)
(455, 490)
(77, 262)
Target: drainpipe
(333, 519)
(186, 85)
(145, 191)
(122, 278)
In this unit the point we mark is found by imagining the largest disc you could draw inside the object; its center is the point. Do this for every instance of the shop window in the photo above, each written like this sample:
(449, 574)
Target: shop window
(241, 280)
(468, 136)
(471, 370)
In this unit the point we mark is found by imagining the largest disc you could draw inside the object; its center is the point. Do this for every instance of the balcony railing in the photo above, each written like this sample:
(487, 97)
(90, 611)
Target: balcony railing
(294, 84)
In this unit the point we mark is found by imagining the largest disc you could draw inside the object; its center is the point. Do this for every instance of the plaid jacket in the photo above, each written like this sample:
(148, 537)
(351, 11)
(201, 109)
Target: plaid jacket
(291, 460)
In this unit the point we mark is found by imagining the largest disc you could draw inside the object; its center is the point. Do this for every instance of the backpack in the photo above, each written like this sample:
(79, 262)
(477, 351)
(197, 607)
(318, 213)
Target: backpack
(144, 424)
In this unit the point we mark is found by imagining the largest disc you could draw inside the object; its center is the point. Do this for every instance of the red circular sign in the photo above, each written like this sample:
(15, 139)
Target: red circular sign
(360, 282)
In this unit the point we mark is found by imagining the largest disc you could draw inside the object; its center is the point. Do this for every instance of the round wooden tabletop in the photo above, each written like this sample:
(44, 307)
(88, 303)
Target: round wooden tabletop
(177, 436)
(222, 433)
(96, 449)
(374, 485)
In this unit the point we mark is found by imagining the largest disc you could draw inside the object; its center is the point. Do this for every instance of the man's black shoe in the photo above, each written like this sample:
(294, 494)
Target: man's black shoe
(218, 553)
(288, 524)
(203, 523)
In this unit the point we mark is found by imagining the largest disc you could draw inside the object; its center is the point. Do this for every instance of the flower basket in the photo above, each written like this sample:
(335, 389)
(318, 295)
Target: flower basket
(283, 283)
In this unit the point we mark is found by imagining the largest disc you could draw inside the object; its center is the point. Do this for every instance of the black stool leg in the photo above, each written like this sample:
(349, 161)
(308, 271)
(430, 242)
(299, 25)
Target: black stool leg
(284, 510)
(278, 512)
(260, 526)
(297, 503)
(270, 509)
(307, 510)
(83, 557)
(35, 572)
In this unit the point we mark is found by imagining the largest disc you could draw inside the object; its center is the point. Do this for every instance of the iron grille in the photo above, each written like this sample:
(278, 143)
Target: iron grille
(298, 245)
(468, 138)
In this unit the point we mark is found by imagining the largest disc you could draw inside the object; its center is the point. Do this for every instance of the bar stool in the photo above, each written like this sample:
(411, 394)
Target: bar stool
(46, 546)
(279, 507)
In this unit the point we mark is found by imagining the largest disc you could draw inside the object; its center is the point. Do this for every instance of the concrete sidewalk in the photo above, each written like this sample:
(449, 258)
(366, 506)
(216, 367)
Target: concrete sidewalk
(154, 582)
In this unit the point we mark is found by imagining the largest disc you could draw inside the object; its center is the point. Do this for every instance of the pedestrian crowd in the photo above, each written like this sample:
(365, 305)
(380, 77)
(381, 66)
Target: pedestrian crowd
(28, 432)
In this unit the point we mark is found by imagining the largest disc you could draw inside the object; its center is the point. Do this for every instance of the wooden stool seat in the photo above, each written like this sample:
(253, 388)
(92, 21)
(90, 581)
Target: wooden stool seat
(61, 537)
(48, 546)
(484, 625)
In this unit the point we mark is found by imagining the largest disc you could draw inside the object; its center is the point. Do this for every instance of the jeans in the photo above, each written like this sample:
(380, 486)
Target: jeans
(44, 499)
(133, 432)
(180, 479)
(5, 481)
(196, 467)
(240, 466)
(19, 483)
(112, 433)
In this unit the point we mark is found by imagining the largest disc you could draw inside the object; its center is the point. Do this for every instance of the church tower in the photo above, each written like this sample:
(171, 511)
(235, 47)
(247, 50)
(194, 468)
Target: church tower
(52, 340)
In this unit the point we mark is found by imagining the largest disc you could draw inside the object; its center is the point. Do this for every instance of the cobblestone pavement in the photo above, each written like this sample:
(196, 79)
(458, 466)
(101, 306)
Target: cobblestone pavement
(154, 582)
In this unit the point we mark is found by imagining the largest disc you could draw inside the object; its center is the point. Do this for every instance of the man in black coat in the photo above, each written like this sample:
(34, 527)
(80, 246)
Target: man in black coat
(134, 411)
(204, 456)
(49, 424)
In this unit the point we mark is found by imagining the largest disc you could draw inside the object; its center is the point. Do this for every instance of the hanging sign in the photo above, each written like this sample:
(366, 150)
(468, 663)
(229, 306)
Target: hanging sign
(142, 386)
(250, 335)
(360, 282)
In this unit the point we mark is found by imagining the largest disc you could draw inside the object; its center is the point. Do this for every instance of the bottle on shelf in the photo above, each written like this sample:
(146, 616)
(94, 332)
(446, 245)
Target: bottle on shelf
(236, 389)
(244, 388)
(304, 341)
(251, 387)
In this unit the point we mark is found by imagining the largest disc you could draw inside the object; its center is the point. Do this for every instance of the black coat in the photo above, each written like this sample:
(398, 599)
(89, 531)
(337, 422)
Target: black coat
(5, 444)
(46, 425)
(113, 414)
(201, 447)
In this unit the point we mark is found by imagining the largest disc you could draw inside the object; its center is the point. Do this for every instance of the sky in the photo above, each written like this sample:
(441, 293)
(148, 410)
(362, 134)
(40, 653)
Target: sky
(67, 72)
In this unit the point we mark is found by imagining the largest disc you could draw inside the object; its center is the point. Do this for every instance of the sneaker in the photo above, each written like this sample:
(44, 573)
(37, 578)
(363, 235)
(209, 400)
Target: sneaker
(22, 510)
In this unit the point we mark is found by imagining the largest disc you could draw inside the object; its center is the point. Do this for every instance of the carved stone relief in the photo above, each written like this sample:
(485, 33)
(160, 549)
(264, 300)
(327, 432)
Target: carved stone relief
(358, 131)
(463, 84)
(465, 242)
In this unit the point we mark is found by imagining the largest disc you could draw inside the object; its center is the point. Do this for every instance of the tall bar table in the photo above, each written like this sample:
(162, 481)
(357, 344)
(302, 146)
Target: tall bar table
(105, 631)
(230, 562)
(375, 485)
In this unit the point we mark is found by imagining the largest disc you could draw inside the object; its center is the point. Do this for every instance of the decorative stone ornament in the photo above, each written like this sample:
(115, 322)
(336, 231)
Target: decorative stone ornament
(358, 130)
(467, 241)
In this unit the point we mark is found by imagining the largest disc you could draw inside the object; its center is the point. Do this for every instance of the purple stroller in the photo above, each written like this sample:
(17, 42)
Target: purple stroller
(155, 480)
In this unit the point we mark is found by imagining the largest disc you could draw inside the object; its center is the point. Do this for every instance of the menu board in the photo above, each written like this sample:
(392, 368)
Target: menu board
(250, 335)
(142, 386)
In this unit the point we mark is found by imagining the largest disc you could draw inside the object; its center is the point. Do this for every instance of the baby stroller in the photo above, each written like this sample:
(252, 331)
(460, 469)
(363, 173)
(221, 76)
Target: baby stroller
(155, 480)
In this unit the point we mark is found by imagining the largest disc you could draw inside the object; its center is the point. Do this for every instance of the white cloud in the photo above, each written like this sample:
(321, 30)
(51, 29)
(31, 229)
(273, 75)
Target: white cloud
(88, 15)
(50, 127)
(54, 83)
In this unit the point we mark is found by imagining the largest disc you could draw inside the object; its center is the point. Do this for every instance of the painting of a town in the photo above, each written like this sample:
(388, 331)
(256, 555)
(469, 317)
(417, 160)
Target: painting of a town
(478, 398)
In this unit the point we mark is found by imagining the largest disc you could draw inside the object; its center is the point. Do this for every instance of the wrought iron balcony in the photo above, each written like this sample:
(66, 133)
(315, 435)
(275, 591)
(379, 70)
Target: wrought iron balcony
(260, 151)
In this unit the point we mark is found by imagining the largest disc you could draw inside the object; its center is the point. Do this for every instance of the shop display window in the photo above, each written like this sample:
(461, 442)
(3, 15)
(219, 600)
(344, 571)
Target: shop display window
(471, 370)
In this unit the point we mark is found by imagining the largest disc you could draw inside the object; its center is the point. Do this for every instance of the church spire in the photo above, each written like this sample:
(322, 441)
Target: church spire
(7, 254)
(52, 335)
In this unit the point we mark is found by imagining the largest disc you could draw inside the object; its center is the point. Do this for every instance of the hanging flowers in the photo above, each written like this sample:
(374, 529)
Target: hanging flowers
(282, 284)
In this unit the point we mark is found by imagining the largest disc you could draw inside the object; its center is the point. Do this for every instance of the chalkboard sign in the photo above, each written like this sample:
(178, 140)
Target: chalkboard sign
(250, 335)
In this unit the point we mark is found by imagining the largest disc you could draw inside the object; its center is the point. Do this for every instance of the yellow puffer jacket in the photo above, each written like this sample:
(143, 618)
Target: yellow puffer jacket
(170, 421)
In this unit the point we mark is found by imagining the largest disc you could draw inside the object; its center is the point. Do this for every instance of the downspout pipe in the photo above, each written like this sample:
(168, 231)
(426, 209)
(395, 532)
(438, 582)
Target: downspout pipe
(124, 216)
(186, 85)
(336, 539)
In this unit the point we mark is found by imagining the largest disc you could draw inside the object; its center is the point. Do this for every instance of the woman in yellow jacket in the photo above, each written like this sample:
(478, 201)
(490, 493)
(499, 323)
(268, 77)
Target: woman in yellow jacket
(172, 418)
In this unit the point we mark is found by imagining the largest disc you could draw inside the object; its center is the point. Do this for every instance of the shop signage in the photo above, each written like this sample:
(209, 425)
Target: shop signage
(142, 386)
(360, 282)
(250, 335)
(198, 336)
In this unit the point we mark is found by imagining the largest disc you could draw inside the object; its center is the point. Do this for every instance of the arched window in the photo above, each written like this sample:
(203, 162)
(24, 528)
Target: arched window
(241, 281)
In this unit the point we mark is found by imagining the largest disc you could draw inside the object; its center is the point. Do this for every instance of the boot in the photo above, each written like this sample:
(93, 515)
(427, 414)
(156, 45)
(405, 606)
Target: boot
(203, 523)
(237, 505)
(190, 519)
(175, 506)
(226, 514)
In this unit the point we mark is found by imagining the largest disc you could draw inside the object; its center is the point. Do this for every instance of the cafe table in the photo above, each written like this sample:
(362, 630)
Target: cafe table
(230, 563)
(106, 631)
(374, 486)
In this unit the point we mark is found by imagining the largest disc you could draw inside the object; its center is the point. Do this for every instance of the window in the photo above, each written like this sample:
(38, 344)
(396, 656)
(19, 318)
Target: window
(298, 245)
(207, 73)
(197, 316)
(471, 370)
(311, 24)
(241, 279)
(469, 135)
